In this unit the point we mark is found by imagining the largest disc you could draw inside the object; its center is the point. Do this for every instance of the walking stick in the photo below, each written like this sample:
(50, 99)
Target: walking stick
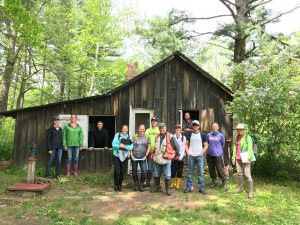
(229, 166)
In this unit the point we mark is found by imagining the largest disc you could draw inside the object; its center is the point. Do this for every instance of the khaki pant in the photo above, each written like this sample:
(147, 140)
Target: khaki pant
(244, 169)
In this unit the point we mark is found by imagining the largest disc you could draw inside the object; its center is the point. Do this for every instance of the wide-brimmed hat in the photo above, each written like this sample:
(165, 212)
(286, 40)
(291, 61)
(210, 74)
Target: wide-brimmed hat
(240, 126)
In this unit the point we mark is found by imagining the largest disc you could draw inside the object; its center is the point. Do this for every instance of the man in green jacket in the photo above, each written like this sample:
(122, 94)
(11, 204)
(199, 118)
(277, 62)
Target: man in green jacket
(242, 157)
(73, 142)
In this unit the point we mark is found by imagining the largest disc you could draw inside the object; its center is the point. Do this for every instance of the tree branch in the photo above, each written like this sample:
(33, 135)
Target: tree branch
(228, 7)
(280, 14)
(262, 2)
(197, 18)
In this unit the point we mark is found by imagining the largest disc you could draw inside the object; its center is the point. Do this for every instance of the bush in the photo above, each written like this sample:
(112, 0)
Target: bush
(7, 130)
(270, 106)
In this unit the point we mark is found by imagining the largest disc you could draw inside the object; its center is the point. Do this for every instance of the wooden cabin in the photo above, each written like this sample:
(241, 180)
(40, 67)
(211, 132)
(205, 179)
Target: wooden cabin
(166, 90)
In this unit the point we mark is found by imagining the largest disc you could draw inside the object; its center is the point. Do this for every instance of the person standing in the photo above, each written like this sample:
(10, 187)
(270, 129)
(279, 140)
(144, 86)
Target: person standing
(151, 133)
(99, 138)
(187, 127)
(196, 146)
(243, 145)
(55, 146)
(122, 145)
(73, 143)
(178, 162)
(139, 154)
(164, 143)
(214, 156)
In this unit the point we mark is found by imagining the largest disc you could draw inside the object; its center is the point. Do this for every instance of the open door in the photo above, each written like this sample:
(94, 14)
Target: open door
(206, 119)
(137, 117)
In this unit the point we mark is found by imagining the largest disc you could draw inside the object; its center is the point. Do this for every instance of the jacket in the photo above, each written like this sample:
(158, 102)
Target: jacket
(54, 138)
(73, 137)
(246, 145)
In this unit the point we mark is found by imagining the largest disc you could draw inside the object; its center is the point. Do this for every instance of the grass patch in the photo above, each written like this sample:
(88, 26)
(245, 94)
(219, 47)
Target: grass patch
(89, 199)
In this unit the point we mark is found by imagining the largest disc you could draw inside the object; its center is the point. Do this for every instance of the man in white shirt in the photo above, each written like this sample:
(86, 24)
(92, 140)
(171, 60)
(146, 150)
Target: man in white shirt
(196, 146)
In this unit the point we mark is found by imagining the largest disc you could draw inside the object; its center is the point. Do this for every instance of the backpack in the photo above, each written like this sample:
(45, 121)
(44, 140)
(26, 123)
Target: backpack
(170, 152)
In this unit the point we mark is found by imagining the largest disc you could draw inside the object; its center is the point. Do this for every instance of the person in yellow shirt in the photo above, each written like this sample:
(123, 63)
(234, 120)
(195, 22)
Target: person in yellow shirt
(151, 134)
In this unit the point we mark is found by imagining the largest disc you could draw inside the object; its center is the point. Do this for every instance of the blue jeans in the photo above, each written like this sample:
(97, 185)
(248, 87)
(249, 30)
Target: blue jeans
(143, 167)
(73, 154)
(198, 160)
(162, 169)
(149, 163)
(56, 152)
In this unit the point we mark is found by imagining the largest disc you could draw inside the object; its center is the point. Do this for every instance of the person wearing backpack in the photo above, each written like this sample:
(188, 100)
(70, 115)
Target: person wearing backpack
(196, 146)
(242, 157)
(166, 149)
(214, 156)
(122, 146)
(178, 162)
(141, 149)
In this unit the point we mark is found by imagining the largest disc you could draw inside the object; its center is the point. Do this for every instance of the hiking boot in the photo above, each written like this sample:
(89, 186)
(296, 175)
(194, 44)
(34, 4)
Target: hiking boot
(156, 185)
(148, 180)
(250, 190)
(141, 188)
(213, 183)
(136, 184)
(168, 189)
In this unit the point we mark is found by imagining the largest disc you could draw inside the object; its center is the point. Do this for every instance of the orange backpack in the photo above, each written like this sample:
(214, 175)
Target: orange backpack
(170, 152)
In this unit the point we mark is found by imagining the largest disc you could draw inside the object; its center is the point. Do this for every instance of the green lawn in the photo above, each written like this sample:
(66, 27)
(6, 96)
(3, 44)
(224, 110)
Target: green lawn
(89, 199)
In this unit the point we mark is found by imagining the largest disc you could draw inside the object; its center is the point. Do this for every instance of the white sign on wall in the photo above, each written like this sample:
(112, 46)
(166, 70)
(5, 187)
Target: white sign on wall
(82, 120)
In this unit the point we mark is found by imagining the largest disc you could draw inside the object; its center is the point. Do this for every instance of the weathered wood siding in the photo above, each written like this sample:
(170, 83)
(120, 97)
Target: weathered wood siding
(175, 85)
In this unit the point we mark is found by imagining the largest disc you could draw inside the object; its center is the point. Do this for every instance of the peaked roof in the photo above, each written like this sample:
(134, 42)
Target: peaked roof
(132, 80)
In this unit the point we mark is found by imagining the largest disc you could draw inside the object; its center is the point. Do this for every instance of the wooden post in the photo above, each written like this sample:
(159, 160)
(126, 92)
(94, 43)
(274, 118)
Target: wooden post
(31, 170)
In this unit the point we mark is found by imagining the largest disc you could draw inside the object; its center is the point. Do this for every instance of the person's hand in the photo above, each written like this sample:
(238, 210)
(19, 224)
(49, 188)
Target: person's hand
(66, 148)
(50, 152)
(132, 158)
(90, 148)
(80, 149)
(233, 162)
(180, 158)
(144, 158)
(188, 153)
(201, 153)
(122, 145)
(248, 161)
(105, 148)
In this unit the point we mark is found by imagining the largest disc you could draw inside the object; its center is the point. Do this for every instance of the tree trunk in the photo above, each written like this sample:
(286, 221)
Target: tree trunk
(10, 53)
(20, 101)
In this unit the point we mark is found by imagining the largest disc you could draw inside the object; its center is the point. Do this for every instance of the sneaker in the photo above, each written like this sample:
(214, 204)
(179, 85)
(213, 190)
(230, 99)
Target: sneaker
(203, 192)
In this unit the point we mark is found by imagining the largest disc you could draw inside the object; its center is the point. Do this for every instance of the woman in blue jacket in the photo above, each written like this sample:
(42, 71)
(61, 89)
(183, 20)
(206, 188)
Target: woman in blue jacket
(122, 145)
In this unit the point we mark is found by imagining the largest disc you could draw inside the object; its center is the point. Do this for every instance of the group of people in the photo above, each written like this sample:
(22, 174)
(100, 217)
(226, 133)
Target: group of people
(158, 153)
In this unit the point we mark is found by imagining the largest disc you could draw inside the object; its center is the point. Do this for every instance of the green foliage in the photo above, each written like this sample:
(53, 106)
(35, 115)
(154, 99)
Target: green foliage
(7, 127)
(269, 105)
(164, 35)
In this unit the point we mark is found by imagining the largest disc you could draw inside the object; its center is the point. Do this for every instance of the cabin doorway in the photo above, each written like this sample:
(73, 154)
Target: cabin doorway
(137, 117)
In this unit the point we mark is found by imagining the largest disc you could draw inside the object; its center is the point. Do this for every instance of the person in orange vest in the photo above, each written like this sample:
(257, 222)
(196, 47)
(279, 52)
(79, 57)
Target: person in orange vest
(166, 148)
